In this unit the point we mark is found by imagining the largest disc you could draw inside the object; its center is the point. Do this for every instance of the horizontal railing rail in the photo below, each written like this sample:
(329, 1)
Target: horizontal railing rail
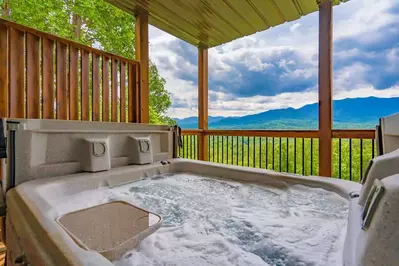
(292, 151)
(46, 76)
(336, 133)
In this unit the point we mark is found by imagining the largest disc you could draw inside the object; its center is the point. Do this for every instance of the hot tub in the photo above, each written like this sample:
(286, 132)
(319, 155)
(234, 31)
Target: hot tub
(212, 214)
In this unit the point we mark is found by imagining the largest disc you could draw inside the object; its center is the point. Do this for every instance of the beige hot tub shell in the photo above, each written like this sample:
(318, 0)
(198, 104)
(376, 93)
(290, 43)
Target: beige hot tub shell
(45, 242)
(48, 169)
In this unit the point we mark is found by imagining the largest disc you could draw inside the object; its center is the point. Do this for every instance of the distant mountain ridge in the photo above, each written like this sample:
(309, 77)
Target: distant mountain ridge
(348, 113)
(194, 119)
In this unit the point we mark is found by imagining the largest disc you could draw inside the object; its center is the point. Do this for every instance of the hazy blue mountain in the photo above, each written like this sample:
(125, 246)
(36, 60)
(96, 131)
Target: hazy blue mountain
(348, 113)
(192, 121)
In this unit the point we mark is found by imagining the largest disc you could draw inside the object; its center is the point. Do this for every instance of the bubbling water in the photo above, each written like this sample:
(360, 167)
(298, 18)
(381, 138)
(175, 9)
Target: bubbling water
(216, 222)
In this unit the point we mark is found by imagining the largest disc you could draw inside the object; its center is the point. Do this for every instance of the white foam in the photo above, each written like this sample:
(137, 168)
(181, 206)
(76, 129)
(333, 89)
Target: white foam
(213, 222)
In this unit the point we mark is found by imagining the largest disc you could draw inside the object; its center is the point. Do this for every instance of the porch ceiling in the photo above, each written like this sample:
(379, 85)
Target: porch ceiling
(209, 23)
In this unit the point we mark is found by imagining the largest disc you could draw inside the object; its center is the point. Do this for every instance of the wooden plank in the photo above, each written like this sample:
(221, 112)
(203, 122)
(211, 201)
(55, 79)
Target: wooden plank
(130, 96)
(96, 87)
(353, 134)
(143, 57)
(137, 93)
(123, 91)
(105, 94)
(73, 83)
(61, 81)
(325, 88)
(3, 71)
(32, 76)
(203, 102)
(85, 83)
(65, 41)
(134, 94)
(16, 73)
(193, 132)
(114, 90)
(48, 78)
(3, 79)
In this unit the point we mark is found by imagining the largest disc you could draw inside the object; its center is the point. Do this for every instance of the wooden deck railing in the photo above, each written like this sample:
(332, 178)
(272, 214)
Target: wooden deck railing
(293, 151)
(45, 76)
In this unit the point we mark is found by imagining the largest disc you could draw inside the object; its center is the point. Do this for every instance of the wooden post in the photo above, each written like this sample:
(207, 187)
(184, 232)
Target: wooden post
(202, 102)
(3, 81)
(142, 56)
(3, 71)
(325, 88)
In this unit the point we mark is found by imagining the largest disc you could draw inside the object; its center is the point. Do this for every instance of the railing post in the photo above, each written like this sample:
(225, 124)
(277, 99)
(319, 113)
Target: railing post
(3, 79)
(325, 88)
(3, 70)
(203, 103)
(142, 55)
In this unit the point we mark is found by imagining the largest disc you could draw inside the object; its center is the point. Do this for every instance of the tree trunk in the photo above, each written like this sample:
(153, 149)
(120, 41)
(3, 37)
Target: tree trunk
(6, 9)
(77, 26)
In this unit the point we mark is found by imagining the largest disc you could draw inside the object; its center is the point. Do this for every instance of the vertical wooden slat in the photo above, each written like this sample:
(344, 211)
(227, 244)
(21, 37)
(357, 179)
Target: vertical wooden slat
(130, 96)
(142, 56)
(3, 71)
(16, 73)
(48, 78)
(114, 90)
(134, 94)
(325, 88)
(32, 76)
(105, 94)
(123, 91)
(84, 79)
(96, 87)
(137, 94)
(73, 83)
(61, 81)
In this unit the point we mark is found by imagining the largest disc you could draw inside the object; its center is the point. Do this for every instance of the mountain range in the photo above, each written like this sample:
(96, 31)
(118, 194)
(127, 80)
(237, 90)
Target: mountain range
(347, 113)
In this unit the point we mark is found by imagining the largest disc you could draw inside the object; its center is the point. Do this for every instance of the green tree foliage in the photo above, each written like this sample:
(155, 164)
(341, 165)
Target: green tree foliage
(300, 156)
(94, 23)
(160, 100)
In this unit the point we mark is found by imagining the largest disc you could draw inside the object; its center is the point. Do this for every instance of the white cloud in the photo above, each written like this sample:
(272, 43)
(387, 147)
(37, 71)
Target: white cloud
(361, 20)
(393, 59)
(295, 26)
(360, 17)
(368, 92)
(350, 77)
(224, 106)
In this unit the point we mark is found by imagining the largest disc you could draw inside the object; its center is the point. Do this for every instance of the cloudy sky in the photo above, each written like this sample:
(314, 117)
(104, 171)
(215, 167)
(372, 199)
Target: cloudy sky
(277, 68)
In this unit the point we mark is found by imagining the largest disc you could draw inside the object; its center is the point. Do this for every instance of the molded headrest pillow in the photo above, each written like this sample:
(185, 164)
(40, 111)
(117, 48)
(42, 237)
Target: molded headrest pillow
(379, 168)
(377, 244)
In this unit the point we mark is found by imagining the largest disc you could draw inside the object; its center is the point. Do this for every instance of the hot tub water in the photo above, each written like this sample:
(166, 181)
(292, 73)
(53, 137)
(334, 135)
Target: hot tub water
(214, 222)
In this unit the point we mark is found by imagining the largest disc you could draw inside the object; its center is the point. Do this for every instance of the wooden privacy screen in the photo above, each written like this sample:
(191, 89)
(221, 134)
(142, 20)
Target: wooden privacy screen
(45, 76)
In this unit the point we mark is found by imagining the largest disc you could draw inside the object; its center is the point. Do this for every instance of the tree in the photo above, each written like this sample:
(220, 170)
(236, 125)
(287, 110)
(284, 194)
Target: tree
(94, 23)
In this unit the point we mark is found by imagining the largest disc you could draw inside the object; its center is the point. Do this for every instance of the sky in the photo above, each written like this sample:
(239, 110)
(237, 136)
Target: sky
(277, 68)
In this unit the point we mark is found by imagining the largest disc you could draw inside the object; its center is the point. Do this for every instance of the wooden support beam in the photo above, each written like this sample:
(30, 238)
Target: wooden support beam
(142, 56)
(4, 103)
(203, 102)
(325, 88)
